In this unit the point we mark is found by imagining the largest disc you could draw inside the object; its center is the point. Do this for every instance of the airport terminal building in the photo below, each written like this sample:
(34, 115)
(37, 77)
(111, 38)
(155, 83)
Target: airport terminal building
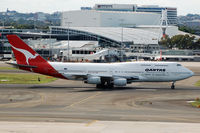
(95, 18)
(118, 15)
(118, 25)
(137, 39)
(171, 11)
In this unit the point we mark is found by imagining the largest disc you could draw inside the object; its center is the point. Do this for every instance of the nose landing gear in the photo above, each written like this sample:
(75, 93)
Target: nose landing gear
(173, 86)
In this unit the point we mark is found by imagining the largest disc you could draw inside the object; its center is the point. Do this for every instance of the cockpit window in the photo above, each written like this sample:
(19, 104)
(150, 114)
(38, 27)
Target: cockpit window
(178, 64)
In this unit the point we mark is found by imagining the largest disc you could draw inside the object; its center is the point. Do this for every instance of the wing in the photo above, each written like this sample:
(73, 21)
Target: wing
(82, 76)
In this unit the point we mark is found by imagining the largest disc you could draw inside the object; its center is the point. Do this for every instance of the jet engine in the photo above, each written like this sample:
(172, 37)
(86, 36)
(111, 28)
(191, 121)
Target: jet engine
(120, 82)
(94, 80)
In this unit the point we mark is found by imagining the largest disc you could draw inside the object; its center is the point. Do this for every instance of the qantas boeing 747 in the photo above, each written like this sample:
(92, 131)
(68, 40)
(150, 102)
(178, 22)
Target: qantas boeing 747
(101, 74)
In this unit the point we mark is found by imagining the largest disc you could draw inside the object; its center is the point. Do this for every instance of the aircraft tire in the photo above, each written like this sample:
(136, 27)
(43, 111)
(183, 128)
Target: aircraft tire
(173, 86)
(110, 85)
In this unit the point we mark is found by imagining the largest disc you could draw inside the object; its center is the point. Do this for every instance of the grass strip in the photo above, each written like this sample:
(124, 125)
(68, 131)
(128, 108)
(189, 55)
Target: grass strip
(196, 104)
(8, 68)
(197, 83)
(25, 79)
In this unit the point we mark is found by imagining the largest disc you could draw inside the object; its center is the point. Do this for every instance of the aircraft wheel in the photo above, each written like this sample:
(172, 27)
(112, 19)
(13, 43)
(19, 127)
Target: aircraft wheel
(173, 86)
(110, 85)
(99, 86)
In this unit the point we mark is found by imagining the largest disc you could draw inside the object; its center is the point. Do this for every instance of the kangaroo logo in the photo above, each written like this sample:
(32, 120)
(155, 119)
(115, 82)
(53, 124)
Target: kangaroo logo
(26, 53)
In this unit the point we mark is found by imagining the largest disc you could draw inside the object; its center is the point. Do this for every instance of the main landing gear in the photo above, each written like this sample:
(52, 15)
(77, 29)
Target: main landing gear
(99, 85)
(103, 85)
(173, 86)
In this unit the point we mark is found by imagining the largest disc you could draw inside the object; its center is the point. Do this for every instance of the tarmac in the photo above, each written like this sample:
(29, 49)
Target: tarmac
(72, 106)
(99, 127)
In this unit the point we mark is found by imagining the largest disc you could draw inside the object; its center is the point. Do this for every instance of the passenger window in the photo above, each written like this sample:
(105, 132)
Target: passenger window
(178, 64)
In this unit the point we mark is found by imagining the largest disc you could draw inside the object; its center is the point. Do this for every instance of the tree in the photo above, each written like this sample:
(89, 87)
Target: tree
(197, 44)
(190, 43)
(186, 29)
(166, 42)
(180, 41)
(183, 41)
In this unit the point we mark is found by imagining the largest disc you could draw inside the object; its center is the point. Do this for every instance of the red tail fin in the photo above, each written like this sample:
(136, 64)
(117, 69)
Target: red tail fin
(23, 53)
(26, 56)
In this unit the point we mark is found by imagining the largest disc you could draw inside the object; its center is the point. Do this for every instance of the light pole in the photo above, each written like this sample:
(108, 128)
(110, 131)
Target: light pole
(50, 48)
(122, 32)
(3, 23)
(68, 24)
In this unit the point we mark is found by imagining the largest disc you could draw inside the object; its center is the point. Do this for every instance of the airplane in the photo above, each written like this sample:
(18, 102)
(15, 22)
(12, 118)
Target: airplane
(102, 74)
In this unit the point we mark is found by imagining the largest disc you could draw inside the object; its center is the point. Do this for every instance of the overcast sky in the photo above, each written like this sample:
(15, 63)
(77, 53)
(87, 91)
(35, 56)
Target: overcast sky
(50, 6)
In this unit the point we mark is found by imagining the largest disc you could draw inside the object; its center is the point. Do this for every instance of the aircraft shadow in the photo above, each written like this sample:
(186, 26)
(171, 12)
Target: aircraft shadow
(94, 89)
(115, 89)
(57, 87)
(86, 89)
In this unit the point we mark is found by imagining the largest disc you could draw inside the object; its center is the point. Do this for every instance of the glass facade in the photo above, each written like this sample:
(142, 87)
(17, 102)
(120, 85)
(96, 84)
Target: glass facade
(81, 35)
(104, 41)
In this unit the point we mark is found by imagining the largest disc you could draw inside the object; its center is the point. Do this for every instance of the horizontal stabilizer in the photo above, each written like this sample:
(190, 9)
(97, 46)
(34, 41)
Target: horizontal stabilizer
(20, 65)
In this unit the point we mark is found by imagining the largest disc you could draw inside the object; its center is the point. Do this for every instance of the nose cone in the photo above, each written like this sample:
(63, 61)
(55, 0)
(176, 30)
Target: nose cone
(190, 73)
(186, 73)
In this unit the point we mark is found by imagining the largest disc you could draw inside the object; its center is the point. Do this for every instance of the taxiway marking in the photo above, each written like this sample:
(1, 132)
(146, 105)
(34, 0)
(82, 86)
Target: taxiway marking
(90, 123)
(84, 100)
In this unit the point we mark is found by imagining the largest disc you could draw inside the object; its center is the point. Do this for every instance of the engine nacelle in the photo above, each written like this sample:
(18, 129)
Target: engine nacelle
(94, 80)
(120, 82)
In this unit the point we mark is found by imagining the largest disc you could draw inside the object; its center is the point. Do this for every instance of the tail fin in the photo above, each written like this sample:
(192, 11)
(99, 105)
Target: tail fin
(28, 59)
(23, 53)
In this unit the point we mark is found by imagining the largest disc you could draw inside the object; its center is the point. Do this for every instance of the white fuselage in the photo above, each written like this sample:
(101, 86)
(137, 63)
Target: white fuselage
(132, 71)
(101, 74)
